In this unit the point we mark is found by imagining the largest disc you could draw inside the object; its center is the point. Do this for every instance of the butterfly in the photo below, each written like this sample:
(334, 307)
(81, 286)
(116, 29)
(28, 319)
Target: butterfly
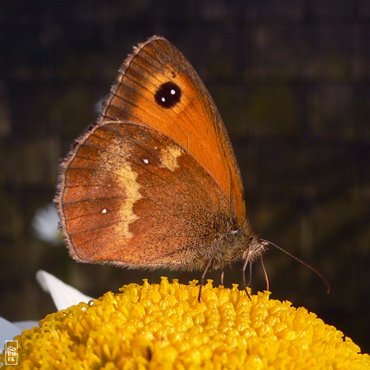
(155, 183)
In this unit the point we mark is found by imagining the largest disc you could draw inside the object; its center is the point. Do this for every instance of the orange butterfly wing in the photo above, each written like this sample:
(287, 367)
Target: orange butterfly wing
(189, 117)
(131, 196)
(155, 182)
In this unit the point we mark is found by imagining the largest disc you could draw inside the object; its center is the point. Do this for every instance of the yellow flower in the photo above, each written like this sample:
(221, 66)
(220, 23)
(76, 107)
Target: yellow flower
(163, 326)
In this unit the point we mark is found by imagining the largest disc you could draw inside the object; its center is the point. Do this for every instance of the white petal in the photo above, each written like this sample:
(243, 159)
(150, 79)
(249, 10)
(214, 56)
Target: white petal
(63, 294)
(45, 223)
(7, 331)
(25, 324)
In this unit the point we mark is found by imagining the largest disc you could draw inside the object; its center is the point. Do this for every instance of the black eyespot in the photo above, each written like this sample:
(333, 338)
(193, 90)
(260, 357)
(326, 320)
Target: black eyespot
(168, 95)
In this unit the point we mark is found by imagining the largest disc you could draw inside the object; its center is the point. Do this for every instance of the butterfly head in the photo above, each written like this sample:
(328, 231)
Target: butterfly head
(255, 248)
(237, 244)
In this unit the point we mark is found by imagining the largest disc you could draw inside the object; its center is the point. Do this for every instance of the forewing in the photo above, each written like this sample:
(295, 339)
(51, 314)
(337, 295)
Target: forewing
(193, 122)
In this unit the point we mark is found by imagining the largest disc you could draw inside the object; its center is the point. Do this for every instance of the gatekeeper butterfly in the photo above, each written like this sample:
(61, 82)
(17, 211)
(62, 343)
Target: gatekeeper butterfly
(155, 183)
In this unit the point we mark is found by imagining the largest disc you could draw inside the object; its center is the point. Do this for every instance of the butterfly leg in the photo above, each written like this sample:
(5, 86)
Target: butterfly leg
(222, 277)
(244, 284)
(265, 273)
(203, 276)
(250, 274)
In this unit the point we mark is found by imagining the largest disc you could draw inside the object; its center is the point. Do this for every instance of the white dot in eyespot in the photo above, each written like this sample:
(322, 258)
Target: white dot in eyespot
(146, 161)
(173, 92)
(163, 99)
(104, 210)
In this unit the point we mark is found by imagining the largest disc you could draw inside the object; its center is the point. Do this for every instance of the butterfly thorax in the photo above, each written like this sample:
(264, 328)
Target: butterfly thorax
(235, 244)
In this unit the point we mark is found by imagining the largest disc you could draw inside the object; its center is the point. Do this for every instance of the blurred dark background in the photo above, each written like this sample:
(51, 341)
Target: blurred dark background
(292, 82)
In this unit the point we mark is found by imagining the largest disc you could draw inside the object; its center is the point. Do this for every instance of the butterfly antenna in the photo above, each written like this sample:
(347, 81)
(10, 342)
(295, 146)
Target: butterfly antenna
(317, 272)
